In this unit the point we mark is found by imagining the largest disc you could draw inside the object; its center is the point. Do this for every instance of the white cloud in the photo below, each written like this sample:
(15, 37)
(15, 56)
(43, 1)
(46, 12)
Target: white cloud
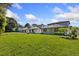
(31, 17)
(74, 9)
(54, 20)
(57, 10)
(17, 6)
(68, 16)
(9, 13)
(72, 15)
(75, 23)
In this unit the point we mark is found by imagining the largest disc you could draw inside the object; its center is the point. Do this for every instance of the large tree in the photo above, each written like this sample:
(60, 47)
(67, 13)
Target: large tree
(2, 23)
(27, 25)
(3, 7)
(11, 24)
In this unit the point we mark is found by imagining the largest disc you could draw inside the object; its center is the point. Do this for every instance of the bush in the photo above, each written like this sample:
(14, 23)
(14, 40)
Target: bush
(62, 29)
(73, 34)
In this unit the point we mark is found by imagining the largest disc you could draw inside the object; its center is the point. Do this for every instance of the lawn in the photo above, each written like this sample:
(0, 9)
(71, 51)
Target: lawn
(21, 44)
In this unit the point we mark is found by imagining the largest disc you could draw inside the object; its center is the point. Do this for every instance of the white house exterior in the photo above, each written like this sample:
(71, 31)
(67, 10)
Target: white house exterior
(34, 30)
(46, 29)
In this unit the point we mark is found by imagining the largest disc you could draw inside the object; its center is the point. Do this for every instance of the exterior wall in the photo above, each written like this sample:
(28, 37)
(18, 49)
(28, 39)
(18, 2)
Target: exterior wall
(78, 32)
(51, 30)
(48, 31)
(27, 30)
(37, 30)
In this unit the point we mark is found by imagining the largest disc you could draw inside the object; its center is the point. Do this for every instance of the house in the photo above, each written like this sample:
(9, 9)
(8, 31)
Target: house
(46, 29)
(52, 27)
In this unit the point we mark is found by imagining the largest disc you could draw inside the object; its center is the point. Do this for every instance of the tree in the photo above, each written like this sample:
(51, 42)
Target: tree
(27, 25)
(3, 7)
(2, 23)
(18, 27)
(34, 25)
(73, 33)
(11, 24)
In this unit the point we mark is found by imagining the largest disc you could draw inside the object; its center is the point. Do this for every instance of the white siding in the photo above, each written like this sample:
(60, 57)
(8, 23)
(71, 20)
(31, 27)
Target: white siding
(38, 30)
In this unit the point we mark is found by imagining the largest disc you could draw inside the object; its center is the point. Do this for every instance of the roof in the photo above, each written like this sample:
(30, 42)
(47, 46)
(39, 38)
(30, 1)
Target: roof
(59, 22)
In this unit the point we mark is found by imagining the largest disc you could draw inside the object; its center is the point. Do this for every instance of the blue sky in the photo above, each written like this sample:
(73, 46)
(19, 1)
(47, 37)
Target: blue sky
(45, 13)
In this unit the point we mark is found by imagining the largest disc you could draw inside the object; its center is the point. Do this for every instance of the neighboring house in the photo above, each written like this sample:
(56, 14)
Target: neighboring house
(30, 30)
(46, 29)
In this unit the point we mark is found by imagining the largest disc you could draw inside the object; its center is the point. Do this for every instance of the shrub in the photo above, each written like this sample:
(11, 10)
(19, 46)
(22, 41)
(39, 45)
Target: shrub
(73, 34)
(59, 33)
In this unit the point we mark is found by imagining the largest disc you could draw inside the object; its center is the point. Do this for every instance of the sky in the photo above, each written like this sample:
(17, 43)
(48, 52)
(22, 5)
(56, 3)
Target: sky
(44, 13)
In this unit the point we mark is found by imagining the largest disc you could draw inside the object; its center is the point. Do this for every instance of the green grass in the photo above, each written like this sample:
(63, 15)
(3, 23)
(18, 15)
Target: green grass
(20, 44)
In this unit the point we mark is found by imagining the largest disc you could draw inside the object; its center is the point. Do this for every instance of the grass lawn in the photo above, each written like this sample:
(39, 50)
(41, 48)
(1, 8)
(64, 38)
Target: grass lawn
(20, 44)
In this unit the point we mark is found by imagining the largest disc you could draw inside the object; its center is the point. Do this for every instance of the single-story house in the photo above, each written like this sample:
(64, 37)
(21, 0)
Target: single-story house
(46, 29)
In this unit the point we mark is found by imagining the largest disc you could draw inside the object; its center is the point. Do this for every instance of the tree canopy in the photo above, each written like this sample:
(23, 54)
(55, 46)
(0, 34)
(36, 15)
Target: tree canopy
(2, 23)
(11, 24)
(3, 7)
(27, 25)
